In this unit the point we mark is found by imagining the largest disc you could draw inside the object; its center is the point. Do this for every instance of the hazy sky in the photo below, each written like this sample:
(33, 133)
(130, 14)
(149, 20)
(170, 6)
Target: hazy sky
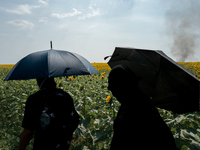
(93, 28)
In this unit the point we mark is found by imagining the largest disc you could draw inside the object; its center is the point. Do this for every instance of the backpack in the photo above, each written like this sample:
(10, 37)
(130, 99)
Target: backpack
(56, 119)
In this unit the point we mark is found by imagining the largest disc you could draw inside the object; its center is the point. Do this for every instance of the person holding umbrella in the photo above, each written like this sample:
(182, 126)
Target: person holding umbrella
(138, 123)
(51, 114)
(44, 109)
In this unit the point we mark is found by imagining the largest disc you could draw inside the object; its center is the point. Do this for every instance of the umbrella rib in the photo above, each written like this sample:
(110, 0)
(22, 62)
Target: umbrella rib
(175, 63)
(148, 60)
(174, 80)
(159, 69)
(157, 73)
(72, 55)
(154, 81)
(80, 61)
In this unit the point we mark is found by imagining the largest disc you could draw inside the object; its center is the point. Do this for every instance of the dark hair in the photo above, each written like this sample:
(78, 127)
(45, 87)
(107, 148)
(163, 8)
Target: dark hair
(123, 83)
(46, 82)
(122, 73)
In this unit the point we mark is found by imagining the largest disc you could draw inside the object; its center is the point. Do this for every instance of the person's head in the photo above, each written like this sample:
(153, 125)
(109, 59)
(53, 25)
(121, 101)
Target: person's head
(46, 83)
(122, 82)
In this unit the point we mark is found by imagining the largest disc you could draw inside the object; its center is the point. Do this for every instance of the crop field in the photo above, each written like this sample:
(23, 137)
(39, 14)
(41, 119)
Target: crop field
(96, 106)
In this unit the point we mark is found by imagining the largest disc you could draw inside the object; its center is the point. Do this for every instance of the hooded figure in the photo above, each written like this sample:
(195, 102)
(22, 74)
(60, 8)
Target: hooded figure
(138, 123)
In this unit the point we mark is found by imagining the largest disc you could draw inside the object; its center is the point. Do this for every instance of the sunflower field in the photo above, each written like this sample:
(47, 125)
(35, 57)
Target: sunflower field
(96, 106)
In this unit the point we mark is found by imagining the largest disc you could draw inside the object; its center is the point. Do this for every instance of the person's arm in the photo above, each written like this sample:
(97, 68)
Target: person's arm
(25, 138)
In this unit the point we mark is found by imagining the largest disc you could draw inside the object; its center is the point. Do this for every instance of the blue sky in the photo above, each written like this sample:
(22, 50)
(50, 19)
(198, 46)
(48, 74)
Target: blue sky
(93, 28)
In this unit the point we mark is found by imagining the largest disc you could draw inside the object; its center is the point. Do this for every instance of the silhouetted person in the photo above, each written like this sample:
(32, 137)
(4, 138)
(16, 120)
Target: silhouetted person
(50, 114)
(138, 124)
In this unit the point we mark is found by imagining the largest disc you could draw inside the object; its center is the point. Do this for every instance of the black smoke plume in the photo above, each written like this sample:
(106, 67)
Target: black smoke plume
(183, 26)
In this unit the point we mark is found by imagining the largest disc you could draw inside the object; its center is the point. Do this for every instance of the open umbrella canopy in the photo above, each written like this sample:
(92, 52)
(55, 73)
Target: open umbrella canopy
(50, 63)
(167, 84)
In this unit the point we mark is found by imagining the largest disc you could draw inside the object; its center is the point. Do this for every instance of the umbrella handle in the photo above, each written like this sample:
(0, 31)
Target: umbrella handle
(51, 44)
(107, 57)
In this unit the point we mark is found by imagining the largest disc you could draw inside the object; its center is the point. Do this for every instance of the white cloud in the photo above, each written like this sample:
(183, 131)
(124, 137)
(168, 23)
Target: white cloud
(64, 15)
(43, 2)
(57, 15)
(15, 11)
(21, 23)
(92, 13)
(87, 13)
(21, 9)
(43, 19)
(26, 8)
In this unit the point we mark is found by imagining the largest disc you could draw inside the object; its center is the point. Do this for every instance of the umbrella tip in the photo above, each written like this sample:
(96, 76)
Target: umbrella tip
(106, 57)
(51, 44)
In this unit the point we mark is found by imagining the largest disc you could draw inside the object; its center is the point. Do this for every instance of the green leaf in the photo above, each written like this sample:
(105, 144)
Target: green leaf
(90, 100)
(96, 137)
(96, 121)
(93, 110)
(81, 130)
(184, 147)
(85, 148)
(194, 145)
(86, 122)
(181, 142)
(24, 94)
(188, 134)
(105, 120)
(13, 103)
(180, 118)
(87, 107)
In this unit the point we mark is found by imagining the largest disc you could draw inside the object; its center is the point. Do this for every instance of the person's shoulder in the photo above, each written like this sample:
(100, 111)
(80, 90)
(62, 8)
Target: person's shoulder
(33, 98)
(36, 95)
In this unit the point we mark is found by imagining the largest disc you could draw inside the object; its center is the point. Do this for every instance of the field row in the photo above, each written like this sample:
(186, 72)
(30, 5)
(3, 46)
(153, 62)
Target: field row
(194, 67)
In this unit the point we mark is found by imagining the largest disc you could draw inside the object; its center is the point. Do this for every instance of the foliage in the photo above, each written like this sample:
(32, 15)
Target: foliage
(185, 128)
(96, 106)
(89, 94)
(193, 67)
(101, 66)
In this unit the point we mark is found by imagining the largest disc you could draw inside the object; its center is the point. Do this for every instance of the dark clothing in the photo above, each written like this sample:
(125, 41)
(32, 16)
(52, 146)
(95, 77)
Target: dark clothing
(140, 127)
(138, 124)
(33, 110)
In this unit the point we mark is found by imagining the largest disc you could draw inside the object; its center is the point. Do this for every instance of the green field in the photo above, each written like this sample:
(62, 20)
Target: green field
(97, 113)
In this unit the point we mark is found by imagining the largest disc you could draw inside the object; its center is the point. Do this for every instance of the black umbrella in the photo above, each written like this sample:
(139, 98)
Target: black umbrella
(167, 84)
(50, 63)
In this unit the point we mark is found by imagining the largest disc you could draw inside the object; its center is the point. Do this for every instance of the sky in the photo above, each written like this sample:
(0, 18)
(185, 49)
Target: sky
(93, 28)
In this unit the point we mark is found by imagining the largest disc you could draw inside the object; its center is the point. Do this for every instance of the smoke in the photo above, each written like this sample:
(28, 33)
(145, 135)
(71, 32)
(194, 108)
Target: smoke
(183, 26)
